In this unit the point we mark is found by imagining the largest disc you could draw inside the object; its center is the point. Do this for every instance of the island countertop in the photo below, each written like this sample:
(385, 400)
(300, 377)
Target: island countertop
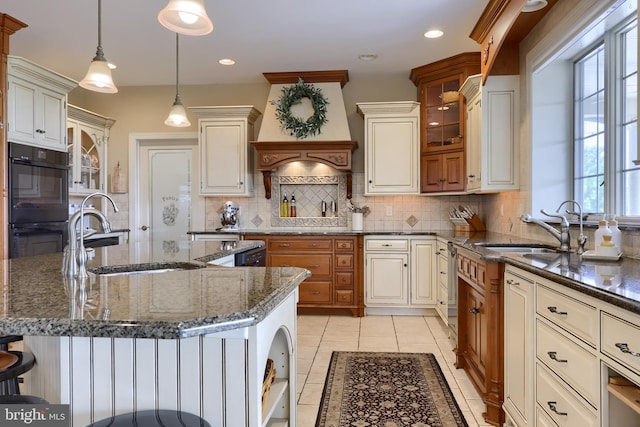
(38, 300)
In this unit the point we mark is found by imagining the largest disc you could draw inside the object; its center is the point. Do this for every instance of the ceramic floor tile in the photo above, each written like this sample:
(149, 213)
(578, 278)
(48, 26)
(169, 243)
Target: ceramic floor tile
(306, 415)
(303, 366)
(346, 345)
(300, 380)
(311, 394)
(337, 334)
(309, 340)
(420, 338)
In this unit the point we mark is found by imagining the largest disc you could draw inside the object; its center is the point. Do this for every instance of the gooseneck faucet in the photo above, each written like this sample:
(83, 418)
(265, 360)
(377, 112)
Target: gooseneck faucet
(75, 257)
(582, 239)
(562, 235)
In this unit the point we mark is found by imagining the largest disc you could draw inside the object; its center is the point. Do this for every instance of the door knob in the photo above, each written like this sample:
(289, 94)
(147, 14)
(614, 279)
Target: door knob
(144, 228)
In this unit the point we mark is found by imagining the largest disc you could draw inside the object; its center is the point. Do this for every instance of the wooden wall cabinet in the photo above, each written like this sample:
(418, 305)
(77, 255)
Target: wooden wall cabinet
(335, 263)
(480, 349)
(226, 161)
(442, 121)
(391, 148)
(37, 104)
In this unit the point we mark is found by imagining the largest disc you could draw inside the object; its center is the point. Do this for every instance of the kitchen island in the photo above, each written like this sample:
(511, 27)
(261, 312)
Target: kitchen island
(196, 339)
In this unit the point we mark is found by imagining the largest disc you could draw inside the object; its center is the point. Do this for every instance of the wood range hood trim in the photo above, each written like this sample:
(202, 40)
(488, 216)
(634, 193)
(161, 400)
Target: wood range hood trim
(273, 154)
(333, 153)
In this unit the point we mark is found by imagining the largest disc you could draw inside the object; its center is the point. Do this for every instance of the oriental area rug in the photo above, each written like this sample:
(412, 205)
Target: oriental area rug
(370, 389)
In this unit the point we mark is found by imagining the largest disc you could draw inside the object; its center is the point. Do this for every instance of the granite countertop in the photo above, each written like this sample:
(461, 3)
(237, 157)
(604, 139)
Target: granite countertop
(38, 300)
(615, 282)
(313, 232)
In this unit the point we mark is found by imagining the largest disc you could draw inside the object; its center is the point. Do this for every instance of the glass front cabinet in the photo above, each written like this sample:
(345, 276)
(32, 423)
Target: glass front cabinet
(87, 136)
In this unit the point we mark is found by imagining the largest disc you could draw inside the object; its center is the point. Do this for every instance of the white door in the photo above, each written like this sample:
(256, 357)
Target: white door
(164, 199)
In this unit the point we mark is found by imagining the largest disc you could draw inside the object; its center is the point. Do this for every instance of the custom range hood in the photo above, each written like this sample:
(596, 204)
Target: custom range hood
(332, 145)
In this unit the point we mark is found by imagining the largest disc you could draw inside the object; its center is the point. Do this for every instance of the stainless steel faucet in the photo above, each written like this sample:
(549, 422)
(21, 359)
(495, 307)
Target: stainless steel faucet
(562, 235)
(75, 257)
(582, 239)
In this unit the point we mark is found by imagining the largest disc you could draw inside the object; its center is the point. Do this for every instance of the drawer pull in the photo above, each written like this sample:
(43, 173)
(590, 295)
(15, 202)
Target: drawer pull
(314, 245)
(386, 245)
(344, 297)
(285, 265)
(625, 349)
(511, 282)
(474, 310)
(284, 245)
(315, 292)
(443, 272)
(314, 266)
(344, 262)
(344, 245)
(554, 408)
(554, 356)
(443, 302)
(344, 279)
(555, 310)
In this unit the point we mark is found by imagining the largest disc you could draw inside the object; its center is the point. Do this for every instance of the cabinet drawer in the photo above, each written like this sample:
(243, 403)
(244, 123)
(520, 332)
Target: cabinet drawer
(560, 404)
(318, 265)
(443, 297)
(576, 317)
(315, 292)
(280, 245)
(387, 245)
(577, 366)
(442, 249)
(621, 341)
(344, 261)
(344, 280)
(344, 297)
(344, 245)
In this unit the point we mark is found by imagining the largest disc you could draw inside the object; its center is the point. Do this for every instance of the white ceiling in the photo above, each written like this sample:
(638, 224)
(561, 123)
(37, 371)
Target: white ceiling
(262, 36)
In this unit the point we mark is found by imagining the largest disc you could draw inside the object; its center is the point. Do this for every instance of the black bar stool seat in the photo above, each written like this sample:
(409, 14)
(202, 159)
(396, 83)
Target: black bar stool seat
(9, 375)
(5, 340)
(153, 418)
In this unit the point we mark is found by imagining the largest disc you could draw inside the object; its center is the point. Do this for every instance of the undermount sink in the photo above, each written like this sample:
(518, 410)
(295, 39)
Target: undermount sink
(144, 268)
(518, 248)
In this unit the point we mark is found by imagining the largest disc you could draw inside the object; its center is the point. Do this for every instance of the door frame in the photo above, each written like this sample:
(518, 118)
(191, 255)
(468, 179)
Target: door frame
(136, 140)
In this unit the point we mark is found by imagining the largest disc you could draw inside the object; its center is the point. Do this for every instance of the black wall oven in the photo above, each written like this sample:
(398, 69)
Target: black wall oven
(38, 200)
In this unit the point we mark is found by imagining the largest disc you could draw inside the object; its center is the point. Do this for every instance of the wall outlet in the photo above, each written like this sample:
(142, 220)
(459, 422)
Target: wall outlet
(389, 210)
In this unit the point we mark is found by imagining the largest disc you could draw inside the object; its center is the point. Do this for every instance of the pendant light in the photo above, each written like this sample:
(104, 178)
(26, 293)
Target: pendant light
(187, 17)
(98, 78)
(177, 115)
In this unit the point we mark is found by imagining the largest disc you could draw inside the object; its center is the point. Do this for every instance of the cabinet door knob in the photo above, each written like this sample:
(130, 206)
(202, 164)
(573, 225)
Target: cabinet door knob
(555, 311)
(41, 131)
(370, 182)
(144, 228)
(474, 310)
(554, 408)
(554, 356)
(624, 347)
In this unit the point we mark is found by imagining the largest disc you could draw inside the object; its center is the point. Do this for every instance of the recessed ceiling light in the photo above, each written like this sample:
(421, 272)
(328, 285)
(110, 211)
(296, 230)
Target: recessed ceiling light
(226, 61)
(368, 57)
(434, 34)
(533, 5)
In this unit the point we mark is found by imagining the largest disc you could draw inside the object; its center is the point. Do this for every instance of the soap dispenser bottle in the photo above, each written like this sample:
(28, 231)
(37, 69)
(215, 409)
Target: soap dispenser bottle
(603, 229)
(616, 234)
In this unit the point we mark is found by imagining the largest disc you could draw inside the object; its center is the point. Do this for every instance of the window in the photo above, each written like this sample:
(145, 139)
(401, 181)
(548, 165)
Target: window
(605, 176)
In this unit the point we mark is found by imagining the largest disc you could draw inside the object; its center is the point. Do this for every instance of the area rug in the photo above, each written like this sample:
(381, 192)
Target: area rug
(370, 389)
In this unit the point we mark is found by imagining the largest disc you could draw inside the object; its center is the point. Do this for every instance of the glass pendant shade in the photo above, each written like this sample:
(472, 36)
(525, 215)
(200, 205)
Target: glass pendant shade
(98, 78)
(177, 115)
(187, 17)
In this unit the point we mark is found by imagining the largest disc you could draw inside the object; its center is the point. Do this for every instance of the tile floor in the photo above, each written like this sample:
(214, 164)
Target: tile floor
(318, 336)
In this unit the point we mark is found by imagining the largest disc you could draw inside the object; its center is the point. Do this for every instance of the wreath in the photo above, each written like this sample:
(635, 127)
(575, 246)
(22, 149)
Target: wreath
(292, 95)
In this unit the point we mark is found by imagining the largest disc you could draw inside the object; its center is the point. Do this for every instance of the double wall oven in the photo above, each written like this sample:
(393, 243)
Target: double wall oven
(38, 200)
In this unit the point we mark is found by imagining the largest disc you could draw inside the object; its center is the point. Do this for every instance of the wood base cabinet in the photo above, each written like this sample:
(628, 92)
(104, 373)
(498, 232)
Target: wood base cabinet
(335, 263)
(480, 347)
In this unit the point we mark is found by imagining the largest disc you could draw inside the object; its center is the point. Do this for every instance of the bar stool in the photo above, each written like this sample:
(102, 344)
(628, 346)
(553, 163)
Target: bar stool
(153, 418)
(5, 340)
(12, 365)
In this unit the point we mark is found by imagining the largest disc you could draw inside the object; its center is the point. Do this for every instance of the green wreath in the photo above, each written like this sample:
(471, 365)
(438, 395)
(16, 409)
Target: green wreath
(292, 95)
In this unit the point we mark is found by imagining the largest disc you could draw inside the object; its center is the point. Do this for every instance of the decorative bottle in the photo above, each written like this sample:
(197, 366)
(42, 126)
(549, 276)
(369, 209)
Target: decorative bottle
(292, 206)
(616, 234)
(284, 207)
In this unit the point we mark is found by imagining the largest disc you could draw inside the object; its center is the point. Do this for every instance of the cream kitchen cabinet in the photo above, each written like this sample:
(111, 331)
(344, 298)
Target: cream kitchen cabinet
(87, 137)
(519, 402)
(37, 104)
(442, 280)
(226, 162)
(492, 133)
(392, 150)
(400, 275)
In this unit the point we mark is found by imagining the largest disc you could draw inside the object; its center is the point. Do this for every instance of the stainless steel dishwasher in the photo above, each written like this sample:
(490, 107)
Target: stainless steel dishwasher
(256, 257)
